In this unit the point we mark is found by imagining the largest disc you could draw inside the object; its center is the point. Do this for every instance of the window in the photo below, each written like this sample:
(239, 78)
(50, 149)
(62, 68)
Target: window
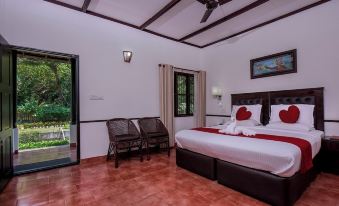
(183, 94)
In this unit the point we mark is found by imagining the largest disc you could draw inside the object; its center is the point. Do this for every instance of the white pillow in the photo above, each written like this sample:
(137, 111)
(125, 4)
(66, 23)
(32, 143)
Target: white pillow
(305, 117)
(287, 126)
(247, 123)
(254, 109)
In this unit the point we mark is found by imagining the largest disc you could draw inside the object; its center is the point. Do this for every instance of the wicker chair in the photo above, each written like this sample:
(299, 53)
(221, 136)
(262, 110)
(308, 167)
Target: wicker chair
(123, 135)
(154, 133)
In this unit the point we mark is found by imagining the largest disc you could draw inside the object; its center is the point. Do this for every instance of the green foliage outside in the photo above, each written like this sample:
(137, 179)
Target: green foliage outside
(44, 111)
(43, 100)
(44, 89)
(30, 138)
(43, 144)
(44, 80)
(34, 135)
(185, 84)
(64, 125)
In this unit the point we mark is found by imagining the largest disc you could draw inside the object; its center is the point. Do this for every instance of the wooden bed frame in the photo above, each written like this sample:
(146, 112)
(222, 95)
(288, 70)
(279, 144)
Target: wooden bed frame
(259, 184)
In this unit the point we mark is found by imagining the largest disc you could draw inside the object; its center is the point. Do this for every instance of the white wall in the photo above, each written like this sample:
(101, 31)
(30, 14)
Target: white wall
(129, 90)
(314, 33)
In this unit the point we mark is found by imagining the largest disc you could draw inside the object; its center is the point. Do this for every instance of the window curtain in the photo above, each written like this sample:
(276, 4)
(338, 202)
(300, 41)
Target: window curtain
(166, 88)
(201, 99)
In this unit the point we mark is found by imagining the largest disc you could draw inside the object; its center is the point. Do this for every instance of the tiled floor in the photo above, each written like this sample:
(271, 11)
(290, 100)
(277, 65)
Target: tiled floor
(156, 182)
(44, 154)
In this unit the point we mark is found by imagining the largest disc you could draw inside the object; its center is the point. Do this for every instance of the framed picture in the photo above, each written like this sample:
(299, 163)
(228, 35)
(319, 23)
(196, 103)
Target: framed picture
(275, 64)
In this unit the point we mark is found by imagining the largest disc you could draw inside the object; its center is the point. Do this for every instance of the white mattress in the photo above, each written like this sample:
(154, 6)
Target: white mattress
(279, 158)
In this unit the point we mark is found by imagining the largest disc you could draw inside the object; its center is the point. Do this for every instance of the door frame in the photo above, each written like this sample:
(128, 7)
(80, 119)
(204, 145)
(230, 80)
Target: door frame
(75, 107)
(5, 176)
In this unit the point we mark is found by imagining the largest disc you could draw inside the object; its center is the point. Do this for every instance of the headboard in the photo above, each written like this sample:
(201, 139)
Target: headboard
(314, 96)
(253, 98)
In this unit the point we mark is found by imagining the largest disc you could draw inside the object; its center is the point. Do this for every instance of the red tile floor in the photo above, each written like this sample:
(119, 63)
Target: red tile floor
(156, 182)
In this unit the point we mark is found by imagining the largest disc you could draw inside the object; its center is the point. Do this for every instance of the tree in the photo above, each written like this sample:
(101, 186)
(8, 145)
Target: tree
(43, 80)
(43, 83)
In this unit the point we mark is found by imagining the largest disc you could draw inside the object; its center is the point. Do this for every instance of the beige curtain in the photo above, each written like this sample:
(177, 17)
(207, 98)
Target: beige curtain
(166, 88)
(201, 99)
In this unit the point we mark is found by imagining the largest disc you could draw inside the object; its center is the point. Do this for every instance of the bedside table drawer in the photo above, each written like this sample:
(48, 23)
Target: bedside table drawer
(330, 155)
(332, 146)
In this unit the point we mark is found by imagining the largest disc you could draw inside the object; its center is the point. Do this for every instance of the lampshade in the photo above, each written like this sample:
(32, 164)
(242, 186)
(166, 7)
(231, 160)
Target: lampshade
(127, 56)
(216, 91)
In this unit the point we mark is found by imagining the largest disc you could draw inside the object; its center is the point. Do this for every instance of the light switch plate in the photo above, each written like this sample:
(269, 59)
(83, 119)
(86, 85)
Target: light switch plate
(95, 97)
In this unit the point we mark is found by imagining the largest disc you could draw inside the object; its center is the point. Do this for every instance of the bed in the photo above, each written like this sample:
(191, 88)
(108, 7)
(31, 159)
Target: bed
(270, 170)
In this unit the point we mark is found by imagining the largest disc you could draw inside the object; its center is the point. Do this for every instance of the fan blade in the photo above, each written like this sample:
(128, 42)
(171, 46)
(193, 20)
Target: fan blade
(206, 15)
(222, 2)
(202, 1)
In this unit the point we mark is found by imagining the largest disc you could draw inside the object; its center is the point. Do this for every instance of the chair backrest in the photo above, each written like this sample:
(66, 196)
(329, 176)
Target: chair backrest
(148, 125)
(120, 126)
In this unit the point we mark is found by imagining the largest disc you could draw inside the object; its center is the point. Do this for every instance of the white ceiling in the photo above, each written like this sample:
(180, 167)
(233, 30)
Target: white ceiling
(265, 12)
(184, 18)
(135, 12)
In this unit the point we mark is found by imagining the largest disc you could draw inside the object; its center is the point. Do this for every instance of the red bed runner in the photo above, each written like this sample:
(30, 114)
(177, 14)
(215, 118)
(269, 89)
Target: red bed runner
(304, 146)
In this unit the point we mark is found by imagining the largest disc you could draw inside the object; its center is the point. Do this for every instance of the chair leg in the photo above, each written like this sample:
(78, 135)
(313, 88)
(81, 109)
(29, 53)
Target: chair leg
(129, 151)
(116, 158)
(168, 149)
(140, 150)
(147, 150)
(158, 147)
(109, 152)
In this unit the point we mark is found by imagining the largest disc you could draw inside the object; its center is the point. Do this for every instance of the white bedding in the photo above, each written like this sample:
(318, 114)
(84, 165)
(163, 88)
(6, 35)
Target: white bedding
(279, 158)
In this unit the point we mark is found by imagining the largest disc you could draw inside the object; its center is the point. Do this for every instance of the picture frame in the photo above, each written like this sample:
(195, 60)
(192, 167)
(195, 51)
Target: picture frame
(274, 64)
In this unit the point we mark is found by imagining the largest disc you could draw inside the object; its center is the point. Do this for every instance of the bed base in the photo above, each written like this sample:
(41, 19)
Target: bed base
(275, 190)
(197, 163)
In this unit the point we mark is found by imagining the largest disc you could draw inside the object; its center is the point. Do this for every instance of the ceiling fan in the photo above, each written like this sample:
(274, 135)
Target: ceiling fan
(210, 6)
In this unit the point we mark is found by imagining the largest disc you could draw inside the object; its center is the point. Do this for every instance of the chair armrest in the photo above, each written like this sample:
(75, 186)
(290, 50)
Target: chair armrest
(163, 128)
(132, 129)
(143, 132)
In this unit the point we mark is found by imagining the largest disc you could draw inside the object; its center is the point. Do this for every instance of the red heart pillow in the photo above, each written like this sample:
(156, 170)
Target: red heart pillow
(243, 114)
(291, 115)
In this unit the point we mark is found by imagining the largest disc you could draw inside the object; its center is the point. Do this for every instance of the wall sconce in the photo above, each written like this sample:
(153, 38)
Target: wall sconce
(127, 56)
(216, 92)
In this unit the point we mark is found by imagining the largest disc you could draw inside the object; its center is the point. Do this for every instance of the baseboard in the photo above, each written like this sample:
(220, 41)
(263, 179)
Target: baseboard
(73, 144)
(93, 159)
(123, 154)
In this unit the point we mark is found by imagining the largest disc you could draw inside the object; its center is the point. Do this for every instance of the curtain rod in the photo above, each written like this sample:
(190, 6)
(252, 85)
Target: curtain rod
(190, 70)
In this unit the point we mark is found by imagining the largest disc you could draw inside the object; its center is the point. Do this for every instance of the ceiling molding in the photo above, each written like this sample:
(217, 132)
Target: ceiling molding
(222, 2)
(268, 22)
(64, 5)
(85, 5)
(171, 38)
(112, 19)
(226, 18)
(159, 14)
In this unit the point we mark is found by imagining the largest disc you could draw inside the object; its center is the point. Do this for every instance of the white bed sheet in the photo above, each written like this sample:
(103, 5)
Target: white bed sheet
(279, 158)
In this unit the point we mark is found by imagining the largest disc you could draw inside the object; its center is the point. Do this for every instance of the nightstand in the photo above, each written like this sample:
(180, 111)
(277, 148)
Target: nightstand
(330, 154)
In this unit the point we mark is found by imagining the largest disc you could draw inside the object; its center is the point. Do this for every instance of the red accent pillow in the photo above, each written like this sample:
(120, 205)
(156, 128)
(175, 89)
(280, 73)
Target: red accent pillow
(243, 114)
(291, 115)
